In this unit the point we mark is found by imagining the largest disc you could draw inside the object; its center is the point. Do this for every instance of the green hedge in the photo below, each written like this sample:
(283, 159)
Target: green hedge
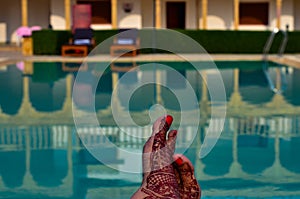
(230, 41)
(242, 41)
(49, 42)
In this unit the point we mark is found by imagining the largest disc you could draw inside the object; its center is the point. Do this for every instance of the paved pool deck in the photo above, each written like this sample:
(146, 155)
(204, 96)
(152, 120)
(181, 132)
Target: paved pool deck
(13, 54)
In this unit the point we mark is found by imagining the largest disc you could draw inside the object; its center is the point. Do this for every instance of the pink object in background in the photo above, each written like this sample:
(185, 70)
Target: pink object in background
(20, 65)
(81, 16)
(35, 28)
(23, 31)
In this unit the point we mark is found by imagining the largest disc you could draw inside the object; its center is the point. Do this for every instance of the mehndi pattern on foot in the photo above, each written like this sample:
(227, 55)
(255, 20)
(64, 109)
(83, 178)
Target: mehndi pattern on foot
(161, 182)
(187, 182)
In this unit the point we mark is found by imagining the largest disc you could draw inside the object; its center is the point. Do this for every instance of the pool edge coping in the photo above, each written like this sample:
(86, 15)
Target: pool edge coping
(287, 59)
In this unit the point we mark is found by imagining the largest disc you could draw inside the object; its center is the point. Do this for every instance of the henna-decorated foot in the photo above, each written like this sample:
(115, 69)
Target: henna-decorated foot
(187, 182)
(159, 180)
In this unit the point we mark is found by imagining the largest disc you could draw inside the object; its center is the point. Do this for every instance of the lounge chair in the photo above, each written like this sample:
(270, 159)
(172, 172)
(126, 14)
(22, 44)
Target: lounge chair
(122, 66)
(73, 66)
(81, 43)
(126, 43)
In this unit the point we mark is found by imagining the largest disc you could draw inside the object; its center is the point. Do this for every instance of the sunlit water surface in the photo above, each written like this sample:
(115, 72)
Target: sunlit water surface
(41, 155)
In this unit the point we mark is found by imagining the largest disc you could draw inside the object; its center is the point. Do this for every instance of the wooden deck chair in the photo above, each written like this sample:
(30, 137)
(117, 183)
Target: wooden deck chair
(81, 43)
(126, 43)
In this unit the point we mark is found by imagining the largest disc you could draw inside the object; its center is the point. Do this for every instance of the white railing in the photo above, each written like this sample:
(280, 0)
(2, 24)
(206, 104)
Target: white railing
(281, 50)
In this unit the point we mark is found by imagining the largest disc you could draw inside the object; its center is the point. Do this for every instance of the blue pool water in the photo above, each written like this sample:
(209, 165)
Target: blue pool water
(42, 155)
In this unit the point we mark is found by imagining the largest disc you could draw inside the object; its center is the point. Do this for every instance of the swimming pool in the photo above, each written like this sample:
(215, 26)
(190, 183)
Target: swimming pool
(41, 155)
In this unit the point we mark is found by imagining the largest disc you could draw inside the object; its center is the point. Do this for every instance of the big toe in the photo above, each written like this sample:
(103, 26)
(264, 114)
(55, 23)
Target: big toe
(187, 180)
(160, 129)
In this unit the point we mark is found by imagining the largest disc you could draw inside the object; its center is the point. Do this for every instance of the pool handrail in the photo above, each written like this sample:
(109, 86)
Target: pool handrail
(279, 54)
(269, 43)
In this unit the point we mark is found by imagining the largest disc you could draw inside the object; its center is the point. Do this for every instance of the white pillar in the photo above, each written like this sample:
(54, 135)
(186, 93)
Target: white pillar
(68, 14)
(24, 11)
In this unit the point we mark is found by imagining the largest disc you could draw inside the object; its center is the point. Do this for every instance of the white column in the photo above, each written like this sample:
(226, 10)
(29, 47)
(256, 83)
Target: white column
(69, 178)
(204, 14)
(24, 7)
(114, 14)
(28, 182)
(158, 13)
(236, 14)
(235, 170)
(68, 101)
(26, 106)
(158, 87)
(278, 12)
(68, 14)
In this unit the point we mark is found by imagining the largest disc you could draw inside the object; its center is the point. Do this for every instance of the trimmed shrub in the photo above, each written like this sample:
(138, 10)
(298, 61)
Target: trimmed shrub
(101, 35)
(49, 42)
(233, 41)
(213, 41)
(293, 45)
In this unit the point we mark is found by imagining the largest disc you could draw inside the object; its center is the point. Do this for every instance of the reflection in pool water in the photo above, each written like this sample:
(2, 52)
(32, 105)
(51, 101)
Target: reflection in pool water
(41, 155)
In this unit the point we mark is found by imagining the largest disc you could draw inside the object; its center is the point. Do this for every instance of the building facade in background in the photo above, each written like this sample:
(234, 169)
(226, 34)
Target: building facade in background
(184, 14)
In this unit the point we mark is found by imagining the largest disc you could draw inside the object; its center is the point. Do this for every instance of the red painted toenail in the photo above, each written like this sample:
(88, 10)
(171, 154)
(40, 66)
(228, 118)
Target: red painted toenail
(179, 161)
(169, 119)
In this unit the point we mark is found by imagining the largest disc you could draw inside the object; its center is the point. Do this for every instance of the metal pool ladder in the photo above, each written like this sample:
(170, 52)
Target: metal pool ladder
(279, 54)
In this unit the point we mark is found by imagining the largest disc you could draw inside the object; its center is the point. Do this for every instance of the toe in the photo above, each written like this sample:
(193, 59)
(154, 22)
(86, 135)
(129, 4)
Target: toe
(188, 182)
(181, 160)
(172, 140)
(162, 123)
(160, 129)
